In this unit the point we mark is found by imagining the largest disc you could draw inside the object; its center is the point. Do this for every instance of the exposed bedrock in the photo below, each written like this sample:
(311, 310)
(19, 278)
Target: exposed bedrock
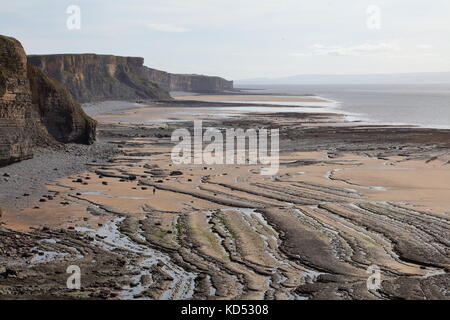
(15, 102)
(61, 115)
(34, 109)
(188, 82)
(91, 77)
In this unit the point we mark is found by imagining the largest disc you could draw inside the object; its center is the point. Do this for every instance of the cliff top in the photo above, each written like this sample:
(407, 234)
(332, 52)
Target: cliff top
(115, 56)
(79, 54)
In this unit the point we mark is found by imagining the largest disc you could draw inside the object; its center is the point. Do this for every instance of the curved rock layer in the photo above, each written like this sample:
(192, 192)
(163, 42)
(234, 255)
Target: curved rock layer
(34, 109)
(157, 230)
(215, 232)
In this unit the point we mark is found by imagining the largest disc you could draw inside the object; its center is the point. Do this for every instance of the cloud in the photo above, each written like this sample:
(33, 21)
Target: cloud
(165, 27)
(365, 49)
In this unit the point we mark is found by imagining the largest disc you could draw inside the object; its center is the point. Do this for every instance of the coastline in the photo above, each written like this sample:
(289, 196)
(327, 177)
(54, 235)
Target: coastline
(213, 159)
(422, 106)
(333, 177)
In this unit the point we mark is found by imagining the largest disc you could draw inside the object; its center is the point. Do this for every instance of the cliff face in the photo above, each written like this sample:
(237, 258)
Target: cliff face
(61, 115)
(188, 82)
(15, 102)
(91, 77)
(34, 110)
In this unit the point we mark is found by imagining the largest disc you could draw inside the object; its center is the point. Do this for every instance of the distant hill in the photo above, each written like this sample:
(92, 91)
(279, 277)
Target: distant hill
(395, 78)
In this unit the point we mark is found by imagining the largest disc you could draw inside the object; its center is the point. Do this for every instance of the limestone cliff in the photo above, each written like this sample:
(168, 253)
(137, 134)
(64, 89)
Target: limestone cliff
(15, 102)
(188, 82)
(91, 77)
(34, 110)
(61, 115)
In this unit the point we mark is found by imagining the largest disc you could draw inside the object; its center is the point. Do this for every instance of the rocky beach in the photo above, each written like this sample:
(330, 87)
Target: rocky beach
(224, 159)
(346, 197)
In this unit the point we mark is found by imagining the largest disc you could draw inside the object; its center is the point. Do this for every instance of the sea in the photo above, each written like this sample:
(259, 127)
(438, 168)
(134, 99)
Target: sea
(422, 105)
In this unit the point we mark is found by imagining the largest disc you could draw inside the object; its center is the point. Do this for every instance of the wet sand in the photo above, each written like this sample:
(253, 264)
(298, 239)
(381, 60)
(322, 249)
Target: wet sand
(250, 97)
(345, 198)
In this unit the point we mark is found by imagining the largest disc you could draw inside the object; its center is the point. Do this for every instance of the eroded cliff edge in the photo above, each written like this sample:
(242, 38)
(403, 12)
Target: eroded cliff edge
(34, 109)
(188, 82)
(92, 77)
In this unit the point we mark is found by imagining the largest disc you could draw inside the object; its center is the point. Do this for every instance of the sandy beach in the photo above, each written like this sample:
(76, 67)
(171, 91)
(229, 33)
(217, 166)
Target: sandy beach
(345, 198)
(252, 97)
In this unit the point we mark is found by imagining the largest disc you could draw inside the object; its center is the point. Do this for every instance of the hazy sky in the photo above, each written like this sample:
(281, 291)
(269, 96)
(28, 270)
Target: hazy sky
(240, 39)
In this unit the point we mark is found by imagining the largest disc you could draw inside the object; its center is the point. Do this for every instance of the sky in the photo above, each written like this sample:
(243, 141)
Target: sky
(240, 39)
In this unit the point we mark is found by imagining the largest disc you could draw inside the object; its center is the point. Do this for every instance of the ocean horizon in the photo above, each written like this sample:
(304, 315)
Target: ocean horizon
(422, 105)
